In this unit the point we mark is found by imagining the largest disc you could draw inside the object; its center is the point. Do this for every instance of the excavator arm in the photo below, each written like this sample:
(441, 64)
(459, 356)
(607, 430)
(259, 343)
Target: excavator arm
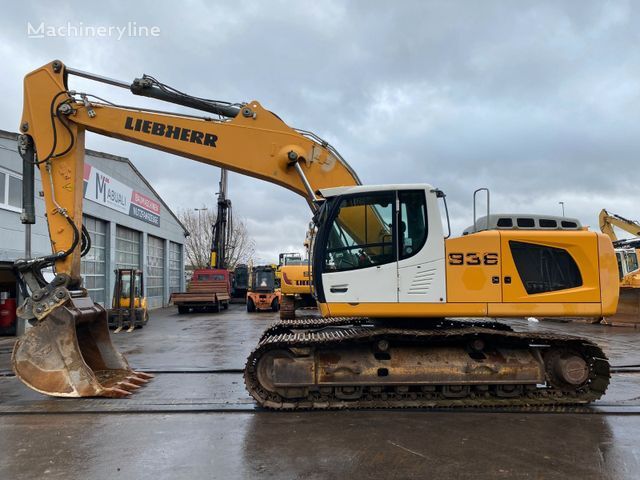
(243, 138)
(247, 139)
(610, 220)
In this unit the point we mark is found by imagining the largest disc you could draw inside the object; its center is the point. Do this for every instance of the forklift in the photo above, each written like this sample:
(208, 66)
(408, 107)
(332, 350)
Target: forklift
(129, 306)
(263, 292)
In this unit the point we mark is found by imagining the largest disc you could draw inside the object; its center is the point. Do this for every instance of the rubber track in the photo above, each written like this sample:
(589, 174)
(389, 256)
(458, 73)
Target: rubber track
(277, 338)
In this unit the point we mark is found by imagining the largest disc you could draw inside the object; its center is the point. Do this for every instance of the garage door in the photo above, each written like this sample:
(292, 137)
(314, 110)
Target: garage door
(93, 265)
(175, 260)
(127, 248)
(155, 271)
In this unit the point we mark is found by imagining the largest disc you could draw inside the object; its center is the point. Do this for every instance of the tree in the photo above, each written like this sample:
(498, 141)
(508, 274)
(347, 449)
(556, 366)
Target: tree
(199, 223)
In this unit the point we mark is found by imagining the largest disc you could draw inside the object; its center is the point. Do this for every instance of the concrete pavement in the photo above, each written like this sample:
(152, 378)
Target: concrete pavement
(196, 421)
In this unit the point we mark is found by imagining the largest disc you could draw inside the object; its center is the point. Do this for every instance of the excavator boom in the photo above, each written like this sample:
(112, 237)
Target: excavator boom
(254, 142)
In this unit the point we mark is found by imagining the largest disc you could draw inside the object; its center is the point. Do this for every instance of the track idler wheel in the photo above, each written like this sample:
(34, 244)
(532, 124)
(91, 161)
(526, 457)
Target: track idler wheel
(566, 369)
(69, 354)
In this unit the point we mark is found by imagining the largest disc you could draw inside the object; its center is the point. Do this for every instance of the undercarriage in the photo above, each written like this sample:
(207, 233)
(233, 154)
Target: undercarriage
(332, 363)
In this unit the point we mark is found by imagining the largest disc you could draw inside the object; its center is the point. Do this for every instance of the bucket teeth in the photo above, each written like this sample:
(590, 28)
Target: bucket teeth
(143, 375)
(131, 387)
(115, 392)
(136, 380)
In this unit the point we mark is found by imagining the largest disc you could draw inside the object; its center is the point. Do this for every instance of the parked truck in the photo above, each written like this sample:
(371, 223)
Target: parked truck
(208, 291)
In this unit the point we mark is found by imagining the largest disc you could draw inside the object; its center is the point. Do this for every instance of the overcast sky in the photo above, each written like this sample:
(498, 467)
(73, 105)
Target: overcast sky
(539, 101)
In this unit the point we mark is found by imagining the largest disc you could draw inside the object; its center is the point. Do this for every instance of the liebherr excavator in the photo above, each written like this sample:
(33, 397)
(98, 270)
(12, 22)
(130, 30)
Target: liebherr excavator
(387, 280)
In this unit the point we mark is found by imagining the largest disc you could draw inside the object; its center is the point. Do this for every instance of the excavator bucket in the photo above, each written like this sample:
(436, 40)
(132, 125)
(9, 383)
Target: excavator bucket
(69, 354)
(628, 313)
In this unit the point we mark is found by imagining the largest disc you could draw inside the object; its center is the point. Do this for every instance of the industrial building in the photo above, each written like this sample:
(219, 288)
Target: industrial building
(130, 226)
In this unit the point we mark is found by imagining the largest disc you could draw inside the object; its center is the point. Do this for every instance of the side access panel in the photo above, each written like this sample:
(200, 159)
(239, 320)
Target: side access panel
(550, 267)
(473, 268)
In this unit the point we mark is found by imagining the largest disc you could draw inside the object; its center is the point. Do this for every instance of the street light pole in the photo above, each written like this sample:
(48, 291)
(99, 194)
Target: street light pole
(200, 210)
(562, 204)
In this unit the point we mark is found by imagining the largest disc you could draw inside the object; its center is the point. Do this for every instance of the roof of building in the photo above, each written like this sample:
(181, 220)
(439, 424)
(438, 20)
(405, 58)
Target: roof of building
(117, 158)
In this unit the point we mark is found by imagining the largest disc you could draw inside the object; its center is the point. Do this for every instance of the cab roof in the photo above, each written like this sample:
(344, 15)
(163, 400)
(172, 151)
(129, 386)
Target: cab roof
(335, 191)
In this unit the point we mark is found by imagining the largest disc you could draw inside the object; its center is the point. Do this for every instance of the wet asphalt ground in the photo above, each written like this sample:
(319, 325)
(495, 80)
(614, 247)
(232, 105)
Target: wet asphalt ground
(195, 420)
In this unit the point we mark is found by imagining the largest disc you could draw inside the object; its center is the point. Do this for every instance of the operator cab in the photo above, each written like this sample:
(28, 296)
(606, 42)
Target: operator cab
(368, 235)
(263, 279)
(125, 285)
(241, 277)
(293, 258)
(627, 261)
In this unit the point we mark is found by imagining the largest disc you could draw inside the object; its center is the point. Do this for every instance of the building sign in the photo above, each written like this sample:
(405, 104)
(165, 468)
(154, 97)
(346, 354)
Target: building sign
(105, 190)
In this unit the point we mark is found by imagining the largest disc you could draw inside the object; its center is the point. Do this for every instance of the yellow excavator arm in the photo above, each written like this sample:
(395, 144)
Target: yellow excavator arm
(610, 220)
(247, 139)
(243, 138)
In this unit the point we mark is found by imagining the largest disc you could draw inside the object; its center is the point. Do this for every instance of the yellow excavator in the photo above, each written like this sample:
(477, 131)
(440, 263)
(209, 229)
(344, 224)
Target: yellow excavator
(387, 279)
(628, 313)
(295, 283)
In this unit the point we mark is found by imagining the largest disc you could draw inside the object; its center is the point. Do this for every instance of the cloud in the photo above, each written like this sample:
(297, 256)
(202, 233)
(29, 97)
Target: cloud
(536, 100)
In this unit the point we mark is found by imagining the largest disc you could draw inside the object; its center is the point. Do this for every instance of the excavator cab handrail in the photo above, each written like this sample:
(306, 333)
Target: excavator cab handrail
(475, 217)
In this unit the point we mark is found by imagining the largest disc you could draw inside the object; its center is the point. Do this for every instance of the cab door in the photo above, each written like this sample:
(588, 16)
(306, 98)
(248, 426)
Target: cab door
(421, 262)
(359, 259)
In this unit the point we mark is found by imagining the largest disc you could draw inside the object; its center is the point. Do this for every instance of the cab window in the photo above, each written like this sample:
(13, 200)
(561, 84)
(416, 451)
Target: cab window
(620, 270)
(413, 222)
(206, 277)
(361, 234)
(632, 261)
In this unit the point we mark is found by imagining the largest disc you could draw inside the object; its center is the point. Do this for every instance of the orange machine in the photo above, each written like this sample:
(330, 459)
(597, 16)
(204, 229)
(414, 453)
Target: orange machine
(262, 294)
